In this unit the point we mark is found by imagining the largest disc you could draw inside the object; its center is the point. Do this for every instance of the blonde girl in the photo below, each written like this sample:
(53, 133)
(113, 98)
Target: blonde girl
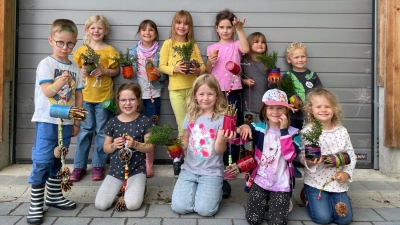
(199, 185)
(275, 141)
(323, 106)
(180, 84)
(98, 87)
(130, 129)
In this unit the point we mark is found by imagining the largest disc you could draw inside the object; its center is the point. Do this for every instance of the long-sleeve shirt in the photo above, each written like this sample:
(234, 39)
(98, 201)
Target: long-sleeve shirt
(169, 59)
(331, 142)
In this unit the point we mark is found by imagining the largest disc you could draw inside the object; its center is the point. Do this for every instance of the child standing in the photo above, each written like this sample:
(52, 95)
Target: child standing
(271, 182)
(128, 130)
(56, 77)
(199, 185)
(98, 87)
(180, 84)
(304, 80)
(228, 50)
(323, 106)
(255, 78)
(146, 52)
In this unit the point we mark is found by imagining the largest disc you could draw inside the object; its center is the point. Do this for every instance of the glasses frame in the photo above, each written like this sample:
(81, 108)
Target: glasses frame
(61, 44)
(124, 101)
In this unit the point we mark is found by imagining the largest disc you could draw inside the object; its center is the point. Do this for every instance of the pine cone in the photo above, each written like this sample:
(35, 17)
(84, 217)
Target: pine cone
(57, 152)
(154, 118)
(341, 209)
(124, 154)
(64, 151)
(65, 172)
(120, 206)
(66, 185)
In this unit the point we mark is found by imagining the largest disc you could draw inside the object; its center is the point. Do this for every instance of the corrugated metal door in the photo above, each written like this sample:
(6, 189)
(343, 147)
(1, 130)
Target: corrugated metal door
(338, 36)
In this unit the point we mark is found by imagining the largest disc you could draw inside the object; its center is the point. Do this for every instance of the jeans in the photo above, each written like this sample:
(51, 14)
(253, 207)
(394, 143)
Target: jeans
(196, 193)
(323, 211)
(152, 108)
(44, 164)
(94, 123)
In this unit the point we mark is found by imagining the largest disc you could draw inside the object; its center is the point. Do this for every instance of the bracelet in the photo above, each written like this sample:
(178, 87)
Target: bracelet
(52, 88)
(77, 125)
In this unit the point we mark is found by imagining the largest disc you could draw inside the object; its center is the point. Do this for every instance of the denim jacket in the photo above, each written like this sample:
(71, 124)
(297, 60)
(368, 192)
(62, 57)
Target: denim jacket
(157, 84)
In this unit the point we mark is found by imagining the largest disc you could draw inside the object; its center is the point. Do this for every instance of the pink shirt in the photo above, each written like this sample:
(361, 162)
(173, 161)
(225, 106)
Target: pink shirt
(227, 52)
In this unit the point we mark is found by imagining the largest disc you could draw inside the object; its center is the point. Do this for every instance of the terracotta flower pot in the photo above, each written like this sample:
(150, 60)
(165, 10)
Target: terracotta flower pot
(312, 152)
(127, 72)
(296, 101)
(89, 67)
(274, 75)
(175, 151)
(151, 76)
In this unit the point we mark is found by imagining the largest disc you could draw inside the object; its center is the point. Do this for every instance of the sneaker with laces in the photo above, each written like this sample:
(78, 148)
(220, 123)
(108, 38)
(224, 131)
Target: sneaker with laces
(177, 168)
(77, 174)
(97, 173)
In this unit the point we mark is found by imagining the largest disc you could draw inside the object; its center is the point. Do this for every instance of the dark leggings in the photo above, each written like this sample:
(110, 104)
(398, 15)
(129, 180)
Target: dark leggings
(278, 206)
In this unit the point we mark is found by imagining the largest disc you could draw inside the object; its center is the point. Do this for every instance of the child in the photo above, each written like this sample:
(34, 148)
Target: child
(180, 84)
(255, 77)
(228, 50)
(322, 105)
(131, 130)
(271, 181)
(98, 87)
(199, 185)
(145, 51)
(304, 80)
(55, 74)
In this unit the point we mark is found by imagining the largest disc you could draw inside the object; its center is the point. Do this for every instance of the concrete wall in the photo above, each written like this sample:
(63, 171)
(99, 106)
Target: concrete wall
(337, 33)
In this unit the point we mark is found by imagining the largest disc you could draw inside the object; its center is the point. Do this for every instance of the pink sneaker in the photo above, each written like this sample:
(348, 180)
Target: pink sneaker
(229, 176)
(77, 174)
(97, 173)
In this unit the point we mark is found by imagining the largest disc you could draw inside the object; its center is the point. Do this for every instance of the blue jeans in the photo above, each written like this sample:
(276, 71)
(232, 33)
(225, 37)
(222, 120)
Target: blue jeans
(196, 193)
(152, 108)
(323, 211)
(94, 123)
(44, 164)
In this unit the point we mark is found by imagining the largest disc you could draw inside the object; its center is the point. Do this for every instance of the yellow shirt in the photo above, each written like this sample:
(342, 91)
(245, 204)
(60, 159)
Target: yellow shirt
(169, 59)
(98, 90)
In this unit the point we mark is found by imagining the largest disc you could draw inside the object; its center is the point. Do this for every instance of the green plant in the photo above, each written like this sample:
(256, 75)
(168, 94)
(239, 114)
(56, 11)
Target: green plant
(286, 85)
(268, 59)
(163, 136)
(90, 56)
(185, 50)
(123, 59)
(312, 136)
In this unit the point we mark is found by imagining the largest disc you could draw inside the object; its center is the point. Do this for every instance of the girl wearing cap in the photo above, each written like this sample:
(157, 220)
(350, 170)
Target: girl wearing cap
(275, 142)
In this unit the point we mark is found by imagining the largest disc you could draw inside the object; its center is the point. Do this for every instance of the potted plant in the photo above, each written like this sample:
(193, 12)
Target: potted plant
(286, 85)
(90, 59)
(149, 70)
(269, 60)
(312, 147)
(126, 62)
(164, 136)
(185, 51)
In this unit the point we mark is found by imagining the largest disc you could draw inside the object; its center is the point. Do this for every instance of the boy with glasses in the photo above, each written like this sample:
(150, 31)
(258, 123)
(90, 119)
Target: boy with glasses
(58, 81)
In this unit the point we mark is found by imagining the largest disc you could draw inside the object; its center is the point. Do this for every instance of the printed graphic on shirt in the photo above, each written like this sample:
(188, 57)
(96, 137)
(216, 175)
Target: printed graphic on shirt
(66, 95)
(201, 140)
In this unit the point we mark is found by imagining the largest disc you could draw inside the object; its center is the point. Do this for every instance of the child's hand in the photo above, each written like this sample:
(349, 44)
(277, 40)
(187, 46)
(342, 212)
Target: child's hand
(212, 59)
(180, 68)
(119, 142)
(312, 163)
(226, 135)
(84, 73)
(342, 177)
(294, 110)
(273, 80)
(248, 82)
(284, 122)
(156, 71)
(245, 132)
(194, 70)
(238, 24)
(66, 78)
(98, 72)
(75, 131)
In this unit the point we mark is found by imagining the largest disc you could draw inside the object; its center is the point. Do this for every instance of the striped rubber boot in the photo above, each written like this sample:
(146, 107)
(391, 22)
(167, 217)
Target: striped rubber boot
(55, 198)
(35, 214)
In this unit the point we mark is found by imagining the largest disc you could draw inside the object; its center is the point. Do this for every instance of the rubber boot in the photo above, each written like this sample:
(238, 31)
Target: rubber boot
(55, 198)
(149, 164)
(35, 214)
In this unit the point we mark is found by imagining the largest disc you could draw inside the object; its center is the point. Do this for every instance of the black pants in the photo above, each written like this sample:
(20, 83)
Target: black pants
(278, 206)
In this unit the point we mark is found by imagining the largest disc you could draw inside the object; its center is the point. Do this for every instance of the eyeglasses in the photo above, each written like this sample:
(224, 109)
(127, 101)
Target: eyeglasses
(61, 44)
(124, 101)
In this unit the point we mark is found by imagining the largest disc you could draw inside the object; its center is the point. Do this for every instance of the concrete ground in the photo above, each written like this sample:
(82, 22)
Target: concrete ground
(375, 199)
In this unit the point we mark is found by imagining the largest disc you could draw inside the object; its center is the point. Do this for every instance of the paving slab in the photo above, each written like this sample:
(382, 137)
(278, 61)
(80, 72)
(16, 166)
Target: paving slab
(9, 219)
(376, 185)
(23, 208)
(362, 214)
(20, 180)
(91, 211)
(46, 221)
(163, 211)
(7, 207)
(6, 179)
(394, 185)
(299, 213)
(179, 221)
(12, 193)
(389, 214)
(141, 212)
(144, 221)
(65, 213)
(214, 221)
(108, 221)
(231, 212)
(72, 221)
